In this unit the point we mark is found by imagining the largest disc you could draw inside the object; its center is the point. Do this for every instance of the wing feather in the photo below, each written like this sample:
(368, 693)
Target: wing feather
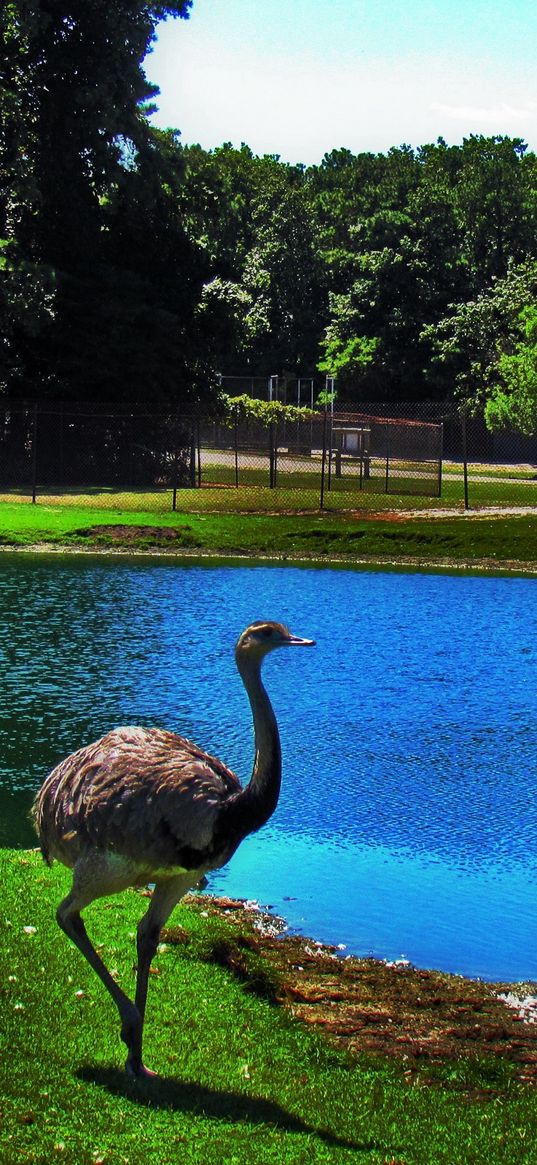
(146, 794)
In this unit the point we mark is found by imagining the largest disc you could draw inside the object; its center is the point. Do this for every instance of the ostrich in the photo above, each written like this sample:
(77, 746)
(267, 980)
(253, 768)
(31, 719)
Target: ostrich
(145, 805)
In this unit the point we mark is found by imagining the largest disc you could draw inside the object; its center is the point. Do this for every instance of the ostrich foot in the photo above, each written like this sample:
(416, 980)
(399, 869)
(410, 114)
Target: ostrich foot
(138, 1073)
(131, 1034)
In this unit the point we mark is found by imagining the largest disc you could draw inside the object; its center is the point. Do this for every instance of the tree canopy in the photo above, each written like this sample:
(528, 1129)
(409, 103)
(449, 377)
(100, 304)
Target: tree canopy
(134, 268)
(512, 400)
(100, 279)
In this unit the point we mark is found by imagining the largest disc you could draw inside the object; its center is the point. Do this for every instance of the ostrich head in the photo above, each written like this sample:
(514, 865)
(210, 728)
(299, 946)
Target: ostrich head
(263, 636)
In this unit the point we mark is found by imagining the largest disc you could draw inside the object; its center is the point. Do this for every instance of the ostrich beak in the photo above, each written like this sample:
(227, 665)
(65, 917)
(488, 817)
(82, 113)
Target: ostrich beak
(296, 641)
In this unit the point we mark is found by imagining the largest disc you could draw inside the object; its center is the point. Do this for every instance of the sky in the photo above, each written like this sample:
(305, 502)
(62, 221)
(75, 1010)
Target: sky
(300, 78)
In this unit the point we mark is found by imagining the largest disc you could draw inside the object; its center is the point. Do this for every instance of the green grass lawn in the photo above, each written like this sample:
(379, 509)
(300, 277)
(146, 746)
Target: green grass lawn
(240, 1081)
(300, 490)
(457, 539)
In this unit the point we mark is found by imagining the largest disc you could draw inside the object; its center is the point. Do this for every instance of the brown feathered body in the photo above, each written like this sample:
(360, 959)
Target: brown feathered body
(143, 794)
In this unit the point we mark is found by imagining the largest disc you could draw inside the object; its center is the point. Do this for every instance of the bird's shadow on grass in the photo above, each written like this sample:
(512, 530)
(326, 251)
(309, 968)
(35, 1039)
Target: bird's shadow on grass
(169, 1093)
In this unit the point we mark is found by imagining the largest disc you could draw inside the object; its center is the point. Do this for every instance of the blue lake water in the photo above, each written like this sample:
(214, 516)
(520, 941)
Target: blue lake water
(407, 823)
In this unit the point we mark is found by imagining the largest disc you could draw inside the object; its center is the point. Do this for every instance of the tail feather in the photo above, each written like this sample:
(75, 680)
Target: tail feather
(35, 818)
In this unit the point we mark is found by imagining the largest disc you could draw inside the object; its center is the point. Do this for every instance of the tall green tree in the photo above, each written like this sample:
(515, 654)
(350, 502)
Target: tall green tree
(283, 278)
(467, 343)
(497, 200)
(73, 99)
(512, 401)
(89, 200)
(404, 271)
(447, 221)
(254, 217)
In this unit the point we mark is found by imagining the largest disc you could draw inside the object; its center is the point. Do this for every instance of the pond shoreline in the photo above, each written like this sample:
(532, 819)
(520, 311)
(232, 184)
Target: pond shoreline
(396, 562)
(417, 1016)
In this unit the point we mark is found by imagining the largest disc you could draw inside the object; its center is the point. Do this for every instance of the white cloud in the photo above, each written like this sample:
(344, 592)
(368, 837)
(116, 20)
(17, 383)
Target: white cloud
(495, 114)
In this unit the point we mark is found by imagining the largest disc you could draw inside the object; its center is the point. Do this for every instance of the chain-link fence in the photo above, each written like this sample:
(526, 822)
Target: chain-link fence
(482, 468)
(383, 456)
(66, 452)
(331, 456)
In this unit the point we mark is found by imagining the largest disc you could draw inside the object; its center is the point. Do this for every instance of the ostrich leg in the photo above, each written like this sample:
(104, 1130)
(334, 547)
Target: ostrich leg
(165, 897)
(70, 921)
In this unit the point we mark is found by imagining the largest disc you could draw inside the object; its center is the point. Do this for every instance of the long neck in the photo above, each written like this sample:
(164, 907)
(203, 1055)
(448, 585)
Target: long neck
(259, 799)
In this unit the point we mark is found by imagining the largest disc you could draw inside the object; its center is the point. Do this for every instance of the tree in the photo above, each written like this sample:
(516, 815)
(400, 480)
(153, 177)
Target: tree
(255, 220)
(446, 223)
(401, 269)
(467, 343)
(219, 191)
(89, 202)
(512, 403)
(283, 278)
(496, 199)
(373, 340)
(132, 266)
(74, 101)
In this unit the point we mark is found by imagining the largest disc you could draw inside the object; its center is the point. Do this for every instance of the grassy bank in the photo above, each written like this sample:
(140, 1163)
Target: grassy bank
(298, 490)
(498, 540)
(241, 1080)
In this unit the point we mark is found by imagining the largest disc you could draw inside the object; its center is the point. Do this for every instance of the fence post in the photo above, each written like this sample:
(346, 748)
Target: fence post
(339, 450)
(366, 444)
(387, 457)
(464, 411)
(174, 482)
(236, 444)
(34, 456)
(440, 457)
(198, 453)
(272, 457)
(330, 447)
(193, 452)
(323, 462)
